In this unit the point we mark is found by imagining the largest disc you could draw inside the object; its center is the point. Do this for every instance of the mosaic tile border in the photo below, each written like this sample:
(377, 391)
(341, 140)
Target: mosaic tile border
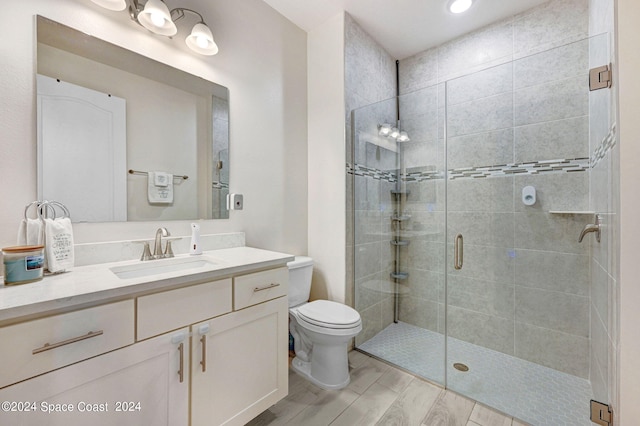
(529, 168)
(360, 170)
(220, 185)
(607, 144)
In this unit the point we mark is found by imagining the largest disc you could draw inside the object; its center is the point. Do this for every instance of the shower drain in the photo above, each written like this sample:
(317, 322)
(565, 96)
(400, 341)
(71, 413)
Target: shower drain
(460, 367)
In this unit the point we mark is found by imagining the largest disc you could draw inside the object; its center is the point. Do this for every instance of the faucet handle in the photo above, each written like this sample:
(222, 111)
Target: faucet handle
(146, 252)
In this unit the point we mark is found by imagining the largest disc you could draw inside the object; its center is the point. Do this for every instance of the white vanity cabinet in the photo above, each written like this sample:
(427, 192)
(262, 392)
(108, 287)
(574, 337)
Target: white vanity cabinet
(201, 353)
(239, 361)
(140, 384)
(239, 364)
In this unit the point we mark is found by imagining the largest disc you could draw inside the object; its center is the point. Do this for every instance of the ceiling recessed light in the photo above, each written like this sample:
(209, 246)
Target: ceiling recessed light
(459, 6)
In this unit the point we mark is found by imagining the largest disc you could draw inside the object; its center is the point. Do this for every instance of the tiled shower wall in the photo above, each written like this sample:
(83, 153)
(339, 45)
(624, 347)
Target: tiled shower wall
(605, 201)
(524, 287)
(370, 77)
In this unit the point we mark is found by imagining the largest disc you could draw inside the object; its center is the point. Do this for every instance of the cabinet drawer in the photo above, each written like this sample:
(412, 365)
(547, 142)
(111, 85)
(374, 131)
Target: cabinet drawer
(46, 344)
(259, 287)
(169, 310)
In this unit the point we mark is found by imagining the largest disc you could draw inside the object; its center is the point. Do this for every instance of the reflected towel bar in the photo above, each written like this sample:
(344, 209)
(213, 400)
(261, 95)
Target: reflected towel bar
(138, 172)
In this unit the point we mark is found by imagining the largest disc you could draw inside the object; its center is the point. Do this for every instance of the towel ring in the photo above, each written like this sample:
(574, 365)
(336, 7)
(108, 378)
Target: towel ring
(65, 210)
(44, 209)
(28, 206)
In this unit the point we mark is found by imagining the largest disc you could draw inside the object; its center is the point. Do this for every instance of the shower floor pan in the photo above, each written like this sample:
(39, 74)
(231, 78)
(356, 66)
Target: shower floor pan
(528, 391)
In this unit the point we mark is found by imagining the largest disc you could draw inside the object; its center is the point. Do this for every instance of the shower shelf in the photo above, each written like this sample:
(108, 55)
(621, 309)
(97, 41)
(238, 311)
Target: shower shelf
(400, 218)
(400, 192)
(571, 212)
(399, 242)
(399, 275)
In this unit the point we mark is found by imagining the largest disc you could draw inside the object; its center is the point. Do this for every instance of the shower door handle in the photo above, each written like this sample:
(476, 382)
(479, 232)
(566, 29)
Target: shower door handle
(458, 249)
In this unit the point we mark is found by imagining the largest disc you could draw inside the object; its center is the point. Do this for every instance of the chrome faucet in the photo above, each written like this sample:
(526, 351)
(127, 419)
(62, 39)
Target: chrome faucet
(157, 247)
(591, 228)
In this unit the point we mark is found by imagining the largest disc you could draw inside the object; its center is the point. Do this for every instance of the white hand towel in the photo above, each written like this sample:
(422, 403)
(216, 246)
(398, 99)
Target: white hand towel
(30, 232)
(58, 244)
(159, 194)
(162, 179)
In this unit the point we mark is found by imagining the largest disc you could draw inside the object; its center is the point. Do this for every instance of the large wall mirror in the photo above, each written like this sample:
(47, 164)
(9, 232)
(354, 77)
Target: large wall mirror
(122, 137)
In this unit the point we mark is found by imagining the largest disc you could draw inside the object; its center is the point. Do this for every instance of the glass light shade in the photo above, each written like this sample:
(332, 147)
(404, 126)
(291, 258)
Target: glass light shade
(394, 132)
(403, 137)
(459, 6)
(201, 40)
(384, 129)
(112, 4)
(156, 18)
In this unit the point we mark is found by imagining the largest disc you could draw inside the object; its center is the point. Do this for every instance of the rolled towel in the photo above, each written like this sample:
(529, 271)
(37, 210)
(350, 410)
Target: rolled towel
(58, 244)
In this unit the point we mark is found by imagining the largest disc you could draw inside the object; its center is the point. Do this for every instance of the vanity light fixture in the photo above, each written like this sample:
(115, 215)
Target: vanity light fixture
(387, 131)
(384, 129)
(459, 6)
(155, 16)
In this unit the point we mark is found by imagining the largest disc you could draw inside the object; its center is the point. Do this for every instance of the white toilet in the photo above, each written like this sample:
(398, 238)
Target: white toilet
(321, 330)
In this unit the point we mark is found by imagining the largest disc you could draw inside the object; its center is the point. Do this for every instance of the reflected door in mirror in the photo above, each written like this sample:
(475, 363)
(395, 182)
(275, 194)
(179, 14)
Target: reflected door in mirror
(82, 150)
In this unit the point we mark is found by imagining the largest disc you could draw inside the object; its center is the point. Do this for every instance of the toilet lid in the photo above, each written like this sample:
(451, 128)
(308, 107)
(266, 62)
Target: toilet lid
(325, 313)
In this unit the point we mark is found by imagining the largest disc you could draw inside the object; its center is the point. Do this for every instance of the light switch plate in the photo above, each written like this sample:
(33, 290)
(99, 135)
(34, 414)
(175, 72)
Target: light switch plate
(235, 202)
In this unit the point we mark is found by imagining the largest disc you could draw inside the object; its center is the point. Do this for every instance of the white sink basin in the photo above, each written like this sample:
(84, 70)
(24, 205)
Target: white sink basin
(163, 266)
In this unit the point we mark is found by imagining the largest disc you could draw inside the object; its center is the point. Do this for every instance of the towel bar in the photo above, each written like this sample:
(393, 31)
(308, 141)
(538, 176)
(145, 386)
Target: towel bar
(138, 172)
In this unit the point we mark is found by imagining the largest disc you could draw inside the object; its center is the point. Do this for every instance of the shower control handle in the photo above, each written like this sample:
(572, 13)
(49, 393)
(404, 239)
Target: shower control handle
(595, 227)
(458, 249)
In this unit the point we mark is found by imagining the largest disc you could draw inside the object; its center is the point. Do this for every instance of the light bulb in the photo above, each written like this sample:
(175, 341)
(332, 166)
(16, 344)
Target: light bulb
(384, 129)
(394, 132)
(459, 6)
(403, 137)
(157, 19)
(202, 41)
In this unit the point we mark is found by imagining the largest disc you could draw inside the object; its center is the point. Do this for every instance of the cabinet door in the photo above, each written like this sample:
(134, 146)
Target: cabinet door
(136, 385)
(245, 364)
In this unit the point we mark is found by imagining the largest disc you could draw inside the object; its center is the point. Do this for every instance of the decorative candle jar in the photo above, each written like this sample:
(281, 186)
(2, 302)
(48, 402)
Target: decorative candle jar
(23, 264)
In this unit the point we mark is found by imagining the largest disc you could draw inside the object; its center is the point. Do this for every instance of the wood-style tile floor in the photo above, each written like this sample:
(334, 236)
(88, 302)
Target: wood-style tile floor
(377, 395)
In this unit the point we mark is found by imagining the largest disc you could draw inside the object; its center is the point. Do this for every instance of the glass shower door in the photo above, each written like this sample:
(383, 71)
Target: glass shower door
(517, 301)
(398, 231)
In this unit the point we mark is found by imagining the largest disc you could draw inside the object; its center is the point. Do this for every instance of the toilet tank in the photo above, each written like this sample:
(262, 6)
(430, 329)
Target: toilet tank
(300, 271)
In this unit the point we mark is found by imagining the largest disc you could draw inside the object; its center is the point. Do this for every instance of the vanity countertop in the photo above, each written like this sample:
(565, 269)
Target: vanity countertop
(86, 285)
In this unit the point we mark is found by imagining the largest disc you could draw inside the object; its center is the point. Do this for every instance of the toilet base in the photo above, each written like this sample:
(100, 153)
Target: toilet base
(304, 369)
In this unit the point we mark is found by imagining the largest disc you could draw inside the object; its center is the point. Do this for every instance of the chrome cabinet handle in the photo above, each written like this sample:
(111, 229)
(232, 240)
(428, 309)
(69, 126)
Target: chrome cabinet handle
(181, 370)
(203, 341)
(458, 250)
(267, 287)
(49, 346)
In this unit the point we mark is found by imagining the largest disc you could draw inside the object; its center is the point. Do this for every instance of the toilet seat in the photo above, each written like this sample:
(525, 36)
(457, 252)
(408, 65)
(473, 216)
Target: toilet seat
(328, 314)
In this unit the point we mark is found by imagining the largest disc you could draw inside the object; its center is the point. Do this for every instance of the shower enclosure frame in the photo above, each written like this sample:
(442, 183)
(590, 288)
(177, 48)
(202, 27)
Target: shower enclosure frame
(402, 171)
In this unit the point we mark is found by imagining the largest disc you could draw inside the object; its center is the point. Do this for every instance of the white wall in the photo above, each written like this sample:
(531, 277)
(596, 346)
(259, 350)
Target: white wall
(628, 16)
(326, 159)
(262, 61)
